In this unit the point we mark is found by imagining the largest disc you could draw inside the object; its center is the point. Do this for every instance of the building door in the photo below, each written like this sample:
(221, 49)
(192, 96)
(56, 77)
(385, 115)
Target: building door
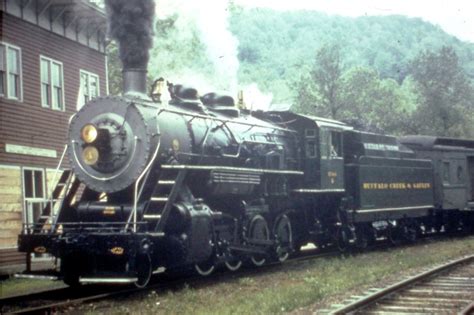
(34, 194)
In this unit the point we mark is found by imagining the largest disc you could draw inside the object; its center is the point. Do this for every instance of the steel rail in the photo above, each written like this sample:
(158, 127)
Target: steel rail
(365, 301)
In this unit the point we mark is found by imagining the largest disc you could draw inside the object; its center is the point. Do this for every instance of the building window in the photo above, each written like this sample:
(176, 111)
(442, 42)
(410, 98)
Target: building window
(10, 72)
(34, 194)
(89, 88)
(52, 86)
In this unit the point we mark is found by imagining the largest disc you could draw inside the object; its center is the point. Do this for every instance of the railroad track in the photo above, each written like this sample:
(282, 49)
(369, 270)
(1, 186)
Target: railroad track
(445, 289)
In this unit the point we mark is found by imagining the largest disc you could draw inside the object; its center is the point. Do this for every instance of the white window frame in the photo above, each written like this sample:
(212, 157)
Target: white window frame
(7, 76)
(51, 88)
(28, 211)
(81, 101)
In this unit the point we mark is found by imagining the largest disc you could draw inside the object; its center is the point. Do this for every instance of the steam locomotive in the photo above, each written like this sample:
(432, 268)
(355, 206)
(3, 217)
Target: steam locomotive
(199, 182)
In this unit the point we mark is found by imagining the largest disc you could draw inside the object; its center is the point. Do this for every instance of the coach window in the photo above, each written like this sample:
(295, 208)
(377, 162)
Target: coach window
(34, 194)
(52, 84)
(89, 87)
(446, 173)
(459, 173)
(10, 72)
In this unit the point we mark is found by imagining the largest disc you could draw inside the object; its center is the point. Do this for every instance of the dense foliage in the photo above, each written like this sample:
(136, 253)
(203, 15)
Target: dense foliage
(389, 74)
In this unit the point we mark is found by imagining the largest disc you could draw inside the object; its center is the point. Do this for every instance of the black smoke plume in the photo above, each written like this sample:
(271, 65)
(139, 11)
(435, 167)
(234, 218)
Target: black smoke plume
(131, 25)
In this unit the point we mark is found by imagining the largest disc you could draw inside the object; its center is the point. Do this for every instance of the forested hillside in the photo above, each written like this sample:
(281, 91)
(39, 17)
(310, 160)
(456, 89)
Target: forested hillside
(275, 47)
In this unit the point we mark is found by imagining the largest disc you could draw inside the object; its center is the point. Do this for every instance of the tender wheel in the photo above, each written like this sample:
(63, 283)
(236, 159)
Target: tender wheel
(365, 236)
(284, 236)
(393, 235)
(259, 231)
(342, 239)
(410, 233)
(362, 241)
(205, 268)
(144, 270)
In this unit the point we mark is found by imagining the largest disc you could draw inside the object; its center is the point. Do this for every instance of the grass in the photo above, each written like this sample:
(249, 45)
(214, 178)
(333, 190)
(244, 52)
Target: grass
(14, 286)
(301, 286)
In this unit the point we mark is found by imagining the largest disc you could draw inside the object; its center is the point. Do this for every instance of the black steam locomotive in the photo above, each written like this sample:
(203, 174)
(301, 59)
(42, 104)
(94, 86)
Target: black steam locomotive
(198, 182)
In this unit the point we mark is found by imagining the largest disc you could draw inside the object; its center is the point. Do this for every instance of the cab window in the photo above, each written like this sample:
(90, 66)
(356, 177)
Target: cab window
(336, 144)
(311, 144)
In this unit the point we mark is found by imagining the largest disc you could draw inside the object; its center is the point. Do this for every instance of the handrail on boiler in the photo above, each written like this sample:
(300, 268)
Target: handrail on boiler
(133, 214)
(135, 191)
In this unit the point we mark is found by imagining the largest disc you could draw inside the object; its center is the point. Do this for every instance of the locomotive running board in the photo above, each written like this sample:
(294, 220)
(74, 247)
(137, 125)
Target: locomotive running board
(35, 276)
(108, 280)
(318, 191)
(229, 168)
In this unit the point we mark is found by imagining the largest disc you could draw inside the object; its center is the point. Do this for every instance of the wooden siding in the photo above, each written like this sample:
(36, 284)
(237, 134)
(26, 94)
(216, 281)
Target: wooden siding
(10, 205)
(27, 123)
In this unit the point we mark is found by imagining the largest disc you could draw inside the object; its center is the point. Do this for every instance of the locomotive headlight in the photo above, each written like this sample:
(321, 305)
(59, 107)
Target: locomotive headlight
(89, 133)
(90, 155)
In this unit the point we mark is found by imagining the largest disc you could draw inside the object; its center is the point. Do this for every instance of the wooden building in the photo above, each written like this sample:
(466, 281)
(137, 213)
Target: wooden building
(52, 60)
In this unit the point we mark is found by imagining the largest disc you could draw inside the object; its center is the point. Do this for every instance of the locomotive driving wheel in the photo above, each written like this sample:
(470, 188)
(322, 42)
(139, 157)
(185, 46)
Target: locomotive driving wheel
(284, 236)
(205, 268)
(144, 270)
(233, 263)
(259, 231)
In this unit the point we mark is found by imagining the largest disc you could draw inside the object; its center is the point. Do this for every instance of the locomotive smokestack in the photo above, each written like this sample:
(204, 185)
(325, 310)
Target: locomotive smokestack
(134, 80)
(131, 25)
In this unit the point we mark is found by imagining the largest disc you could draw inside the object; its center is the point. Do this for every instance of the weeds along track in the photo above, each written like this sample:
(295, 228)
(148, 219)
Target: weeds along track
(445, 289)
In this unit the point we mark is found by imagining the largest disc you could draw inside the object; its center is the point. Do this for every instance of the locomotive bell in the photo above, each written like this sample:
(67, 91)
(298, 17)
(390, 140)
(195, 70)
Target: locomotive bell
(158, 88)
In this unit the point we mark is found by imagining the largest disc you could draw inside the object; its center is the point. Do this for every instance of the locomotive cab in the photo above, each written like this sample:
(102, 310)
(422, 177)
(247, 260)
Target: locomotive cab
(321, 153)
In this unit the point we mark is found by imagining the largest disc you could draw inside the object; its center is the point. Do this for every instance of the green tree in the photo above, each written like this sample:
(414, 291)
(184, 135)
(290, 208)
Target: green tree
(445, 92)
(317, 91)
(371, 103)
(114, 68)
(326, 75)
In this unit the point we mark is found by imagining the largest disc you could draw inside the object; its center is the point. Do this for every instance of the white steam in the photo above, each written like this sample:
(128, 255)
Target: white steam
(210, 19)
(255, 99)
